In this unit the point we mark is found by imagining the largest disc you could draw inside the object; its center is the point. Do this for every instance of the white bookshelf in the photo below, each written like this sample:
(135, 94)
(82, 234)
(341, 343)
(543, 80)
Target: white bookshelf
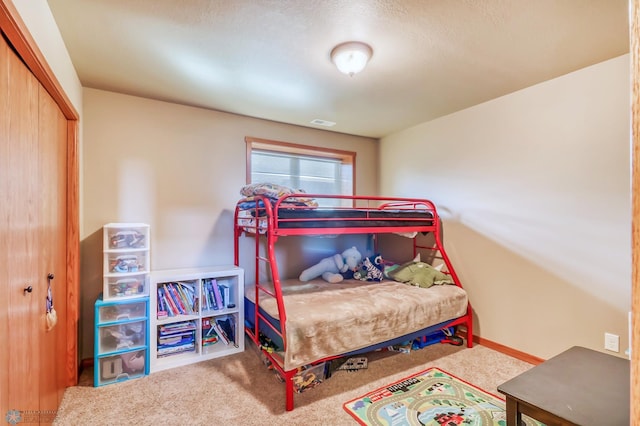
(167, 349)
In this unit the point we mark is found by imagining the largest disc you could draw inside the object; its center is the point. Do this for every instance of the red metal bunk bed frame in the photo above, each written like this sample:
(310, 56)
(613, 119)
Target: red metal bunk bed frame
(269, 225)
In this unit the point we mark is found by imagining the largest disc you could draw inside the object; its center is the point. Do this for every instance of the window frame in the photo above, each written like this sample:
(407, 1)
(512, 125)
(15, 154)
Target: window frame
(345, 157)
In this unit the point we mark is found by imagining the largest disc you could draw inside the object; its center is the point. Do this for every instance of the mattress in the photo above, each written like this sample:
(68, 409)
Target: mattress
(332, 218)
(352, 218)
(326, 319)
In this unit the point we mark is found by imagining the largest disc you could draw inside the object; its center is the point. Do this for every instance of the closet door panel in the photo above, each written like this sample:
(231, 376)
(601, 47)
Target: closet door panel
(52, 137)
(19, 226)
(4, 217)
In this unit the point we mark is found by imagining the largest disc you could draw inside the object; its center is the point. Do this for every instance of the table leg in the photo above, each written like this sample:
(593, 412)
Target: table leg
(514, 416)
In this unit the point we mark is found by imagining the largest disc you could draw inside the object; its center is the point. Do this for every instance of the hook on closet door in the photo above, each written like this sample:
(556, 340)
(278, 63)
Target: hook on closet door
(51, 316)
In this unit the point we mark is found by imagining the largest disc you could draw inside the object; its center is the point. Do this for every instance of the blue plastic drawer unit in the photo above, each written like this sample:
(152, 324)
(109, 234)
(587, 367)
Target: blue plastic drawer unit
(121, 350)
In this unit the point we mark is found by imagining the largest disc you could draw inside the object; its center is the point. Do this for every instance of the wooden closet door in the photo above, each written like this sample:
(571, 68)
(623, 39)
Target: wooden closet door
(19, 236)
(33, 212)
(52, 166)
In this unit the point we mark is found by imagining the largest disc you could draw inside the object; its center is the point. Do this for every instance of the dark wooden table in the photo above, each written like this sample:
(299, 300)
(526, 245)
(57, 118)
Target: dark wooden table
(578, 387)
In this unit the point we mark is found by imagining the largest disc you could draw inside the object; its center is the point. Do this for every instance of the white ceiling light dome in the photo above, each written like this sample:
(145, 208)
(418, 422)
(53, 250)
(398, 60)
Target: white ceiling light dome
(351, 57)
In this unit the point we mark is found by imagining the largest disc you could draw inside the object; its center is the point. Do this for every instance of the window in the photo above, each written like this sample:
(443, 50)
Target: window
(315, 170)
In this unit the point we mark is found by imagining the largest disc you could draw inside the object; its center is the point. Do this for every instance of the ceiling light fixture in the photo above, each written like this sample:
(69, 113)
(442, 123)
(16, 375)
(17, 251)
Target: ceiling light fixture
(351, 57)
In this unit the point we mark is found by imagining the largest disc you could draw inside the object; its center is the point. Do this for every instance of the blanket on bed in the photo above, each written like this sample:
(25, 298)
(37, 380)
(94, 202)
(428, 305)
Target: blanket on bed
(325, 319)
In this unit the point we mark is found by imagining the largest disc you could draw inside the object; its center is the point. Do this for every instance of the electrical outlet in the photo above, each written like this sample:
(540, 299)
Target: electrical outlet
(612, 342)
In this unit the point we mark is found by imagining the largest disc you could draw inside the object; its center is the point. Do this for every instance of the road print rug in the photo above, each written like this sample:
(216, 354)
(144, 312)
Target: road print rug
(430, 398)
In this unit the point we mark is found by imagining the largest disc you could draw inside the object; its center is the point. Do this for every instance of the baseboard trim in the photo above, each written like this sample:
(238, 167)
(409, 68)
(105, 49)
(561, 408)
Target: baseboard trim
(522, 356)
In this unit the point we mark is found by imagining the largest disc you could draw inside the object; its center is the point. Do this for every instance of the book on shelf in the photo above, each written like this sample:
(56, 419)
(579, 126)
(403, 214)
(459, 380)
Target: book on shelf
(171, 288)
(163, 311)
(176, 327)
(181, 293)
(220, 332)
(188, 295)
(225, 293)
(176, 338)
(177, 298)
(207, 295)
(168, 299)
(226, 327)
(217, 294)
(209, 335)
(177, 349)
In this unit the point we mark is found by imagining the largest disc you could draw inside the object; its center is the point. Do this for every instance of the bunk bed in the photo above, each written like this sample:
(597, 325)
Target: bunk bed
(317, 321)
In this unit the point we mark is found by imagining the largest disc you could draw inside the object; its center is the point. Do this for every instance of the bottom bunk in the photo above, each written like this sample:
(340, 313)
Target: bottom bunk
(330, 320)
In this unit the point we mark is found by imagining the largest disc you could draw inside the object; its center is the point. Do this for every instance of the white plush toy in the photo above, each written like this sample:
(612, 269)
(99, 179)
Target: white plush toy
(331, 268)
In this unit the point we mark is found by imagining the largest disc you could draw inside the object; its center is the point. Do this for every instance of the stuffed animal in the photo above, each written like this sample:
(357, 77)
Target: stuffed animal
(370, 269)
(331, 268)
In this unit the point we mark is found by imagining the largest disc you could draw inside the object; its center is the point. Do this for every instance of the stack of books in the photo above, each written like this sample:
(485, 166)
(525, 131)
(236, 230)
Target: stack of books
(176, 338)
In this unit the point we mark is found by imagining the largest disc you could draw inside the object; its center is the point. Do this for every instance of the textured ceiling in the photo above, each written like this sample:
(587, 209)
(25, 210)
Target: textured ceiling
(270, 58)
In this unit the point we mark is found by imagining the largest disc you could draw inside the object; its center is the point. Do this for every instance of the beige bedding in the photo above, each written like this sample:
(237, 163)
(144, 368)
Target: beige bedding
(326, 319)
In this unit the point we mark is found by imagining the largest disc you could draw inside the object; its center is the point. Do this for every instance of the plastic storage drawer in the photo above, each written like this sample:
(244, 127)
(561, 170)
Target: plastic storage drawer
(122, 336)
(135, 285)
(126, 236)
(122, 312)
(122, 366)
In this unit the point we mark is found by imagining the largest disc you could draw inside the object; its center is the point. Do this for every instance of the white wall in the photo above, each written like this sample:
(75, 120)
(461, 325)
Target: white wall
(37, 16)
(535, 186)
(535, 190)
(179, 169)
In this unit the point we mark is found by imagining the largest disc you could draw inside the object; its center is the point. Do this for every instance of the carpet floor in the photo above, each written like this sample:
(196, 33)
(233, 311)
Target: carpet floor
(240, 390)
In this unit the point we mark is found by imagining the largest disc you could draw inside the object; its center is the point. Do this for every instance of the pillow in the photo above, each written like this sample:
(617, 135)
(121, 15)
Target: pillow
(270, 190)
(419, 274)
(275, 191)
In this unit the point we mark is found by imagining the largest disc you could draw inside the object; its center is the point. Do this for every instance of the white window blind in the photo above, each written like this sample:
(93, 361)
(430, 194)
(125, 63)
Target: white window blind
(315, 175)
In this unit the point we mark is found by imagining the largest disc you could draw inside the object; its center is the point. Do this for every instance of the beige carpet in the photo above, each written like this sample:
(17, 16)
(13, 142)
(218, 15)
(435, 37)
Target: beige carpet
(240, 390)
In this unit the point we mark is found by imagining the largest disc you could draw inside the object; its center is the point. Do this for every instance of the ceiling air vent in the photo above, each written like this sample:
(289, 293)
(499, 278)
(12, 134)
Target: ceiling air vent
(325, 123)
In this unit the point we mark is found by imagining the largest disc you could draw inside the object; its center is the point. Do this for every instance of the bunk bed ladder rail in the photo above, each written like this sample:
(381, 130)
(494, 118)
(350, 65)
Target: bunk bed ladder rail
(263, 209)
(440, 253)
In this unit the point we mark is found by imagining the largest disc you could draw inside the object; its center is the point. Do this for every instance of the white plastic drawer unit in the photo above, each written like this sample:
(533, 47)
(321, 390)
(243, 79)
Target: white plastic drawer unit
(129, 286)
(126, 263)
(126, 236)
(122, 366)
(122, 312)
(122, 336)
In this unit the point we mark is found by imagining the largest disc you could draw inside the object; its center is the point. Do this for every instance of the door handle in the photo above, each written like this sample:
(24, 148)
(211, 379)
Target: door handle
(27, 289)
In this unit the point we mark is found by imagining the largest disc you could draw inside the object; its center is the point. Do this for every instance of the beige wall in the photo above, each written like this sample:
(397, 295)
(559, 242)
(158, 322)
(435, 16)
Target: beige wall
(38, 18)
(180, 170)
(534, 187)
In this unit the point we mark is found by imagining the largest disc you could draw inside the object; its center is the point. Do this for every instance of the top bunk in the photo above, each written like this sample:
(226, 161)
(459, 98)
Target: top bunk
(321, 214)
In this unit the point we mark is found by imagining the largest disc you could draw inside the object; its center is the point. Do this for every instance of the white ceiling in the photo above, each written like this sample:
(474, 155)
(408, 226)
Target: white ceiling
(270, 58)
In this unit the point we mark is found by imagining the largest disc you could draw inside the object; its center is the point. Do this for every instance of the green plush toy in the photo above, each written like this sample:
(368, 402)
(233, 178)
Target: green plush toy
(419, 274)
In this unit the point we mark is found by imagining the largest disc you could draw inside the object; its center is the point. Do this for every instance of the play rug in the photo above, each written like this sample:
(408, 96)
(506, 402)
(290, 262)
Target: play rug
(433, 398)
